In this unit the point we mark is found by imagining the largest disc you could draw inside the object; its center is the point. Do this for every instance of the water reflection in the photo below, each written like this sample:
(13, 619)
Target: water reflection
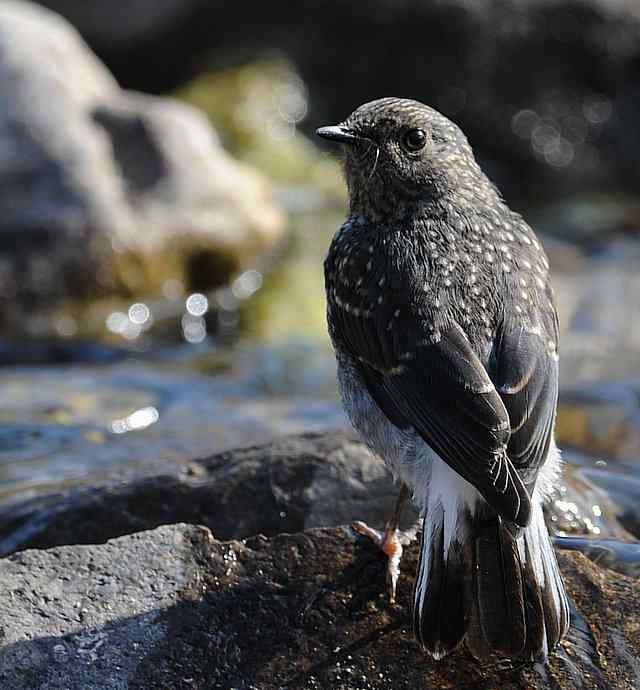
(194, 328)
(197, 304)
(136, 417)
(245, 285)
(190, 312)
(140, 419)
(139, 314)
(562, 128)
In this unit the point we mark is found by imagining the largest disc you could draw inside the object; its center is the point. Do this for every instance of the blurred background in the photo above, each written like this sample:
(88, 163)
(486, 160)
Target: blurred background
(165, 211)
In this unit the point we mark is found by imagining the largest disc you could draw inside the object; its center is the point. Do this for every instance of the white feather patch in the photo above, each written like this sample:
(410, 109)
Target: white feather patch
(444, 499)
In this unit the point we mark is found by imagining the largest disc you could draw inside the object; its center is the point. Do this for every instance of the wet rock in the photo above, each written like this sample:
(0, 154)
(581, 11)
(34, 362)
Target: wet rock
(585, 504)
(548, 92)
(623, 557)
(150, 413)
(621, 484)
(291, 484)
(175, 608)
(107, 190)
(288, 485)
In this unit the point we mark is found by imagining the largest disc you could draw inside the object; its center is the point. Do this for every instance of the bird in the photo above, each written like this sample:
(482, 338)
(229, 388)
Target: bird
(442, 317)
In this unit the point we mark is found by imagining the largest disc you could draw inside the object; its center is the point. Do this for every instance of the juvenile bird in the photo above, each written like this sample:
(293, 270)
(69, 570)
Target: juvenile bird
(443, 322)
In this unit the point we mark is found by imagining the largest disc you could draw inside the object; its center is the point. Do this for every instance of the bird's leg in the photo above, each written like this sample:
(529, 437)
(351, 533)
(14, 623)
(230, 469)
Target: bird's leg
(392, 539)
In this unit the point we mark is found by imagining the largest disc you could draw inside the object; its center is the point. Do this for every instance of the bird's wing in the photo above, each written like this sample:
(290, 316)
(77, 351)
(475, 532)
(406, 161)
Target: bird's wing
(441, 389)
(526, 377)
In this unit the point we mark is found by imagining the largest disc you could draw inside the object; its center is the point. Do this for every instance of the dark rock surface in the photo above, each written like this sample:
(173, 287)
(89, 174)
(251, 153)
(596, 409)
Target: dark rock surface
(570, 68)
(312, 480)
(174, 608)
(288, 485)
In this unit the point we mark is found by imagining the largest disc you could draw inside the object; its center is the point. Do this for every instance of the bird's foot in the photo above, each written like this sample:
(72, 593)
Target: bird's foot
(391, 542)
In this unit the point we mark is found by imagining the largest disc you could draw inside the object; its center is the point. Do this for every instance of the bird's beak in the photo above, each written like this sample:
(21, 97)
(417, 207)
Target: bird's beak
(339, 133)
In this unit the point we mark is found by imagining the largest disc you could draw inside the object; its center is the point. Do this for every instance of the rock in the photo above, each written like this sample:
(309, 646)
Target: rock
(602, 419)
(622, 487)
(106, 190)
(145, 19)
(288, 485)
(176, 608)
(100, 615)
(623, 557)
(548, 92)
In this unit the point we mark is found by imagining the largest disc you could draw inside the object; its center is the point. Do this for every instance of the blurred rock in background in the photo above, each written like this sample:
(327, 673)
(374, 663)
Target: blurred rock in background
(104, 190)
(548, 92)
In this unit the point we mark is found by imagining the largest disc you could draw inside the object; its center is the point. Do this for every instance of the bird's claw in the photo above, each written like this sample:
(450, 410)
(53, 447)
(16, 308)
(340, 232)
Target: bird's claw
(391, 542)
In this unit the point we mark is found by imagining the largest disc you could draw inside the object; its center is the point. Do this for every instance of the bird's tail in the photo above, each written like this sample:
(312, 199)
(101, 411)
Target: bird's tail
(484, 581)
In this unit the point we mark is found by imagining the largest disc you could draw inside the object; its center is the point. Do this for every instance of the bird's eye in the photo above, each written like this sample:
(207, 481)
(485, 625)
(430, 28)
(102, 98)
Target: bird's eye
(414, 139)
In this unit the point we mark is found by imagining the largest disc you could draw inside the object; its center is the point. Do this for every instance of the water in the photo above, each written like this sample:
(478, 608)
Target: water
(79, 423)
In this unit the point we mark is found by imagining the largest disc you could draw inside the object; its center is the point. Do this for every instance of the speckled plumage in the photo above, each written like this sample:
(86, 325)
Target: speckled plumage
(441, 313)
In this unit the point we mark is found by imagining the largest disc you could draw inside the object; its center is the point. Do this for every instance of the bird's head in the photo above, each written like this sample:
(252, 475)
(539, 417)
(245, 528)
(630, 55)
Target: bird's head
(398, 150)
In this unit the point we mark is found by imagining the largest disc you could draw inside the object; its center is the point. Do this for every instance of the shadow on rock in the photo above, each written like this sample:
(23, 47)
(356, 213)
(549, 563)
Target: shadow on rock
(175, 608)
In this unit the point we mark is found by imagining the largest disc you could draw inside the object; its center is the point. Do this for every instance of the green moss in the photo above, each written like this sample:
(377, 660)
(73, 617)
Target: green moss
(292, 302)
(254, 109)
